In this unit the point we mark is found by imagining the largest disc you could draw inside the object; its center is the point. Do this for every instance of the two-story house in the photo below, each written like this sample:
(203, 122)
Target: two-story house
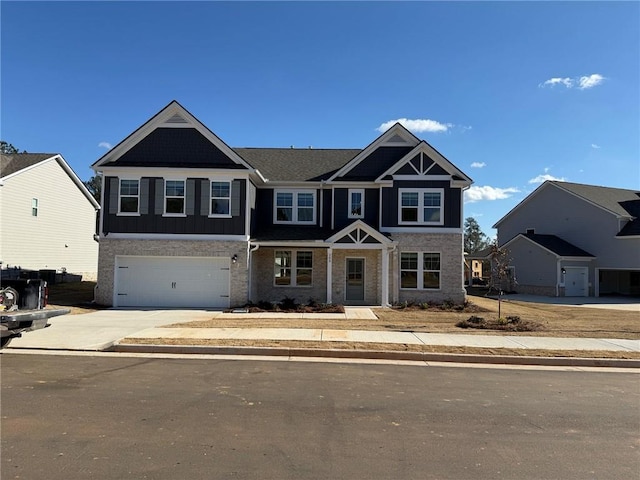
(571, 239)
(189, 221)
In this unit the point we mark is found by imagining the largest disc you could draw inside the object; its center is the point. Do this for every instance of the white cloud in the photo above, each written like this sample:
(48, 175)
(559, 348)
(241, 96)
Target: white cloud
(593, 145)
(582, 82)
(552, 82)
(478, 165)
(106, 145)
(417, 125)
(590, 81)
(476, 194)
(545, 177)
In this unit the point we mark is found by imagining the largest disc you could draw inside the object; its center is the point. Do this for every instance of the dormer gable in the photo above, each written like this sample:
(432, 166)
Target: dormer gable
(424, 163)
(172, 138)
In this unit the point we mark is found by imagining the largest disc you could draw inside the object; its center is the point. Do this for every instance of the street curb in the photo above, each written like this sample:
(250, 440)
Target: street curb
(378, 355)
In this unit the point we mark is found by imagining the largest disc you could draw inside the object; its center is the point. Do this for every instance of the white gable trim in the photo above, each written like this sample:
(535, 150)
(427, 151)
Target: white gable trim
(68, 170)
(370, 231)
(382, 140)
(173, 115)
(433, 154)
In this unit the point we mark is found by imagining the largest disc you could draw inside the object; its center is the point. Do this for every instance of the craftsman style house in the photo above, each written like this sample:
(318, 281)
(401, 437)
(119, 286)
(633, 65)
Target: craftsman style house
(188, 221)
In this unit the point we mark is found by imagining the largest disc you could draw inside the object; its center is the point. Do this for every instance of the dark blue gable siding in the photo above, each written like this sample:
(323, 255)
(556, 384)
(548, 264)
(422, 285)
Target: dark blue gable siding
(175, 147)
(193, 224)
(452, 203)
(341, 215)
(376, 164)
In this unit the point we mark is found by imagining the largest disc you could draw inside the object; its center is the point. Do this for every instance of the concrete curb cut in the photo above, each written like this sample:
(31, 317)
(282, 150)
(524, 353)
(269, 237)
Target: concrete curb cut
(378, 355)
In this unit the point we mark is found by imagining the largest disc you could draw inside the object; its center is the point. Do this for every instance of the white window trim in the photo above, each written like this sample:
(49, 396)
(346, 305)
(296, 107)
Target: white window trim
(128, 214)
(421, 206)
(295, 193)
(211, 197)
(293, 268)
(184, 198)
(361, 192)
(420, 275)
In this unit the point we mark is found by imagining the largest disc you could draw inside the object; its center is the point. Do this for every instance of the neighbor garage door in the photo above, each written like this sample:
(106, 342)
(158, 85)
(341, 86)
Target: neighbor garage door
(182, 282)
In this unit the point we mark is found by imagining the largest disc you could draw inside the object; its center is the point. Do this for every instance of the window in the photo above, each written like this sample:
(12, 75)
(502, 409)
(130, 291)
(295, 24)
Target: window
(356, 204)
(220, 198)
(420, 270)
(421, 206)
(34, 207)
(293, 206)
(174, 197)
(129, 196)
(293, 268)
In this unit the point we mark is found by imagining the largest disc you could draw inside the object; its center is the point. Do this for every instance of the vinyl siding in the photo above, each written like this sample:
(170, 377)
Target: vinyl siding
(62, 233)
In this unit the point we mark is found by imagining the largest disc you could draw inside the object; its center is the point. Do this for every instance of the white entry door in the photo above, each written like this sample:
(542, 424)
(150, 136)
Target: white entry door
(179, 282)
(576, 282)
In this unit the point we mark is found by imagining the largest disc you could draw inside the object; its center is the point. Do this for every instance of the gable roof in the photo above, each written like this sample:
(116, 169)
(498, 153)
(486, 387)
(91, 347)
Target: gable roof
(296, 164)
(17, 163)
(14, 162)
(617, 201)
(553, 244)
(208, 146)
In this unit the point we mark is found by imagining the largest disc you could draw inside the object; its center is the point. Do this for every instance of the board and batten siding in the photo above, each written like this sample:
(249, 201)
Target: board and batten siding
(61, 235)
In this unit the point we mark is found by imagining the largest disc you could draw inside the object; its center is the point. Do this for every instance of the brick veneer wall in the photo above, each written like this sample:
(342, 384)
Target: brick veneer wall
(109, 248)
(372, 276)
(451, 266)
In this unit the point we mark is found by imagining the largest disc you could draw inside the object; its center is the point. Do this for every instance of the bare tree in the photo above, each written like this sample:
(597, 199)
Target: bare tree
(500, 272)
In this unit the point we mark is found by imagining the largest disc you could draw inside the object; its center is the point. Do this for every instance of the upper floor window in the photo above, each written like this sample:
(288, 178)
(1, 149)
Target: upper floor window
(422, 206)
(174, 197)
(356, 203)
(34, 207)
(129, 196)
(420, 270)
(220, 198)
(295, 206)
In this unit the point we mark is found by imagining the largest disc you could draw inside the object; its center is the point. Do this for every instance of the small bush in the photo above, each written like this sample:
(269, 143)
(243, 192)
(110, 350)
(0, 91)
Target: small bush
(288, 303)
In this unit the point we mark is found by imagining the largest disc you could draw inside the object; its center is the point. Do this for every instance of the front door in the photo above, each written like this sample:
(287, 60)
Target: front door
(575, 282)
(355, 280)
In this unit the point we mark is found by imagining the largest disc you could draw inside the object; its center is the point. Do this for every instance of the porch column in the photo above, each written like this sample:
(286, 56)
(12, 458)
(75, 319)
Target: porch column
(329, 270)
(385, 276)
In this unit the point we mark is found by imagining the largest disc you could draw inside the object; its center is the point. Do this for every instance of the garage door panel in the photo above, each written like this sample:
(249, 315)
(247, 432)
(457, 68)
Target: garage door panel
(183, 282)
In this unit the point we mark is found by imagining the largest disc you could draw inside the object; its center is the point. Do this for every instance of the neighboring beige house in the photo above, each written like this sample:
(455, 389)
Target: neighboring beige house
(48, 216)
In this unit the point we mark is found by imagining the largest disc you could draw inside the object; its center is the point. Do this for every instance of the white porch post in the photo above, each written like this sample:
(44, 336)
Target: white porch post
(329, 270)
(385, 276)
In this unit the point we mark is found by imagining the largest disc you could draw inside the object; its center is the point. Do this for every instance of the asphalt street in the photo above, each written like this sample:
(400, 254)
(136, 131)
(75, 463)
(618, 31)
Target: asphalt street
(107, 417)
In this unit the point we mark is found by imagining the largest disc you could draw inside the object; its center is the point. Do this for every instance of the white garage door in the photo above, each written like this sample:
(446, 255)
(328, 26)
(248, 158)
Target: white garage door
(182, 282)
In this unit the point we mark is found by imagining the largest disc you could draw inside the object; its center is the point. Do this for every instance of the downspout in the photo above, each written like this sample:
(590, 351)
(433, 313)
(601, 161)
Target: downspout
(558, 274)
(250, 251)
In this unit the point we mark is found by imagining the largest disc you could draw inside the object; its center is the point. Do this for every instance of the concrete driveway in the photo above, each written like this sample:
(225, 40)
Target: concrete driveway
(609, 303)
(99, 330)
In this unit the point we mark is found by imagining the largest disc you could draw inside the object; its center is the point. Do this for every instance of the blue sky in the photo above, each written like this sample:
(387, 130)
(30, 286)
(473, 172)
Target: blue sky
(510, 92)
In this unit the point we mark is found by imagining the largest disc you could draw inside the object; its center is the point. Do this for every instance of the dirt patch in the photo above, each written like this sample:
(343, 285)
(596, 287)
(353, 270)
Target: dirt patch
(382, 347)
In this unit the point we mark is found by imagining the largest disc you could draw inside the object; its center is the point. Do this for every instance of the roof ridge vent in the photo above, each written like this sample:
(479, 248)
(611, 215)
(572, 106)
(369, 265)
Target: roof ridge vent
(177, 118)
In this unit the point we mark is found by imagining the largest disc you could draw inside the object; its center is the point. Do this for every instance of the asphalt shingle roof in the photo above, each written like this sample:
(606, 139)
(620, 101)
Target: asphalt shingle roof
(557, 245)
(621, 201)
(296, 164)
(14, 162)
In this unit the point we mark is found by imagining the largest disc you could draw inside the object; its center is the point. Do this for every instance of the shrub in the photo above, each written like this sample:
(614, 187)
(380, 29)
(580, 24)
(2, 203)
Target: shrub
(288, 303)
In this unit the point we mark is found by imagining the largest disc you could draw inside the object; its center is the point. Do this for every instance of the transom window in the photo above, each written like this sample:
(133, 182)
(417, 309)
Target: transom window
(174, 197)
(129, 196)
(293, 268)
(421, 206)
(356, 203)
(220, 198)
(420, 270)
(293, 206)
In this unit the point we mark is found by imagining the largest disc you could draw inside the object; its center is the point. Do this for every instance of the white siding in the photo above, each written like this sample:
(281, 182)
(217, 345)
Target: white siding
(62, 233)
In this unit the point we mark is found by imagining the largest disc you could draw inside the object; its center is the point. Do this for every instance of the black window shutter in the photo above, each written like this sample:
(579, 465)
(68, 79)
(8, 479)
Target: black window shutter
(144, 196)
(113, 195)
(191, 197)
(235, 198)
(159, 203)
(205, 197)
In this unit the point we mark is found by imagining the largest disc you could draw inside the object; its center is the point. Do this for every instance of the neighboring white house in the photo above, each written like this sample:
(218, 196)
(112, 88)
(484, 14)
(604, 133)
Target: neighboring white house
(48, 216)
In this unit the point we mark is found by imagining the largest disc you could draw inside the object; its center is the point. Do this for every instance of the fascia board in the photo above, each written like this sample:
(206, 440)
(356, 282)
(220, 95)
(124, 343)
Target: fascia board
(395, 129)
(185, 172)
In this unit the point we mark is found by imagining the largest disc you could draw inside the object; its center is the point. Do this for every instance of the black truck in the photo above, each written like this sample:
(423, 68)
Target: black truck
(22, 308)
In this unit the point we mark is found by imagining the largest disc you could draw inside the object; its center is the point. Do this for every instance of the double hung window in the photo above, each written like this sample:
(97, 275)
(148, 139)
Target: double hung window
(34, 207)
(295, 206)
(293, 268)
(129, 196)
(174, 197)
(420, 270)
(220, 198)
(421, 206)
(356, 203)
